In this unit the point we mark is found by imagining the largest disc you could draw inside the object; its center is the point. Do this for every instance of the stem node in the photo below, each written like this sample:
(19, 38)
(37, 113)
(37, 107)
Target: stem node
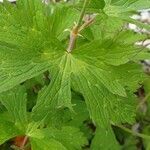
(75, 31)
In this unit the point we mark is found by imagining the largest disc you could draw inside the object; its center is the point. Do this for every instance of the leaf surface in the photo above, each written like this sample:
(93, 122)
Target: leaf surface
(28, 41)
(7, 131)
(102, 138)
(58, 93)
(15, 101)
(68, 138)
(44, 144)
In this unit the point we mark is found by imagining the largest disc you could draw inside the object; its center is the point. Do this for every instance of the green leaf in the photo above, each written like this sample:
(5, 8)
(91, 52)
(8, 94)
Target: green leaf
(130, 143)
(122, 2)
(118, 12)
(137, 4)
(62, 18)
(96, 4)
(96, 71)
(8, 131)
(103, 85)
(93, 5)
(81, 113)
(70, 137)
(116, 51)
(37, 16)
(18, 65)
(45, 144)
(60, 117)
(102, 105)
(105, 140)
(106, 26)
(90, 80)
(32, 41)
(120, 7)
(58, 93)
(15, 102)
(133, 72)
(67, 138)
(28, 39)
(33, 130)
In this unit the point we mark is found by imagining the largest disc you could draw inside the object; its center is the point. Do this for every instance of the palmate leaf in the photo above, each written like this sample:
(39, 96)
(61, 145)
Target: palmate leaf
(26, 39)
(101, 80)
(96, 70)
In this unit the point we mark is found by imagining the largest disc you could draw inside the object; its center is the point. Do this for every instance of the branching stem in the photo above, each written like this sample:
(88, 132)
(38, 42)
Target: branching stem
(86, 24)
(82, 14)
(75, 31)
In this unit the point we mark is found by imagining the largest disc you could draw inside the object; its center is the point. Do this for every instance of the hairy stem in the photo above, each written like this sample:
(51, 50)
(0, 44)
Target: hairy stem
(82, 14)
(75, 30)
(133, 132)
(86, 24)
(24, 143)
(143, 101)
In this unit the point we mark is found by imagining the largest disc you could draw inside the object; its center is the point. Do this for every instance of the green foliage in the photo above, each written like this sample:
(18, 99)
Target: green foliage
(95, 82)
(105, 136)
(15, 102)
(8, 130)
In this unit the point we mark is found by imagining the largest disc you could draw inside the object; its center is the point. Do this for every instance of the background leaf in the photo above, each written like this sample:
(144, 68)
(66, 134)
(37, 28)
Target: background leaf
(8, 131)
(15, 101)
(44, 144)
(102, 138)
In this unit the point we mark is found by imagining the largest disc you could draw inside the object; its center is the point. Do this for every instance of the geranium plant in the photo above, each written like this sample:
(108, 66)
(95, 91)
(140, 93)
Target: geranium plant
(68, 73)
